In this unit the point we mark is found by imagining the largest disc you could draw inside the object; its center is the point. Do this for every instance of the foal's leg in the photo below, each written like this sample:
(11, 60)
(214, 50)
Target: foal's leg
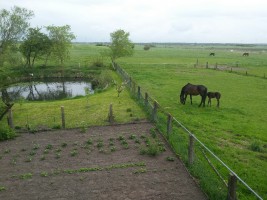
(209, 102)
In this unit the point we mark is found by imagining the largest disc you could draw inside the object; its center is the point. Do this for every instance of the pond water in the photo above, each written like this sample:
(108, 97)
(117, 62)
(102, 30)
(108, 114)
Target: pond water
(47, 90)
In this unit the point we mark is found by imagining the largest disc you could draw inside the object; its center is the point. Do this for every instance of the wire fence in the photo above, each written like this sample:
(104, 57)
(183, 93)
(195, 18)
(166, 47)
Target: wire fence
(217, 179)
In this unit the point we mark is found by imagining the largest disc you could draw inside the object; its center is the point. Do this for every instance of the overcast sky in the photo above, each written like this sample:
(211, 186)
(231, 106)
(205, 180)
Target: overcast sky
(200, 21)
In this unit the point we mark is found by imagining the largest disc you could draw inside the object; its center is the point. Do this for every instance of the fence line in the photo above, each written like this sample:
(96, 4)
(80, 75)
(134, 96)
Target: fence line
(233, 177)
(227, 67)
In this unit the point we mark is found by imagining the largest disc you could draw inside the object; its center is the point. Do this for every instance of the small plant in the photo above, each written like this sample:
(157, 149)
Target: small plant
(29, 159)
(151, 149)
(58, 155)
(64, 144)
(7, 133)
(7, 151)
(112, 149)
(46, 151)
(36, 146)
(153, 132)
(89, 141)
(44, 174)
(121, 138)
(56, 126)
(73, 153)
(169, 158)
(58, 150)
(2, 188)
(100, 144)
(83, 128)
(140, 171)
(132, 137)
(25, 176)
(49, 146)
(111, 143)
(137, 141)
(32, 153)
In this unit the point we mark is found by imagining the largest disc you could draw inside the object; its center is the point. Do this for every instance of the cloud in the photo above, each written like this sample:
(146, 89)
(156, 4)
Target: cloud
(154, 20)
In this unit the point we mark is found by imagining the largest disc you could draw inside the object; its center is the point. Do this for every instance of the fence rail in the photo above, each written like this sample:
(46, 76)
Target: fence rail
(155, 108)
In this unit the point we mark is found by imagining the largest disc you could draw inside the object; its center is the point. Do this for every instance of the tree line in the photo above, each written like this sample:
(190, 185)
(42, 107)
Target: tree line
(16, 36)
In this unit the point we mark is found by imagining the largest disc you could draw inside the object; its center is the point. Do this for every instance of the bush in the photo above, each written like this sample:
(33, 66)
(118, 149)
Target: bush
(7, 133)
(146, 47)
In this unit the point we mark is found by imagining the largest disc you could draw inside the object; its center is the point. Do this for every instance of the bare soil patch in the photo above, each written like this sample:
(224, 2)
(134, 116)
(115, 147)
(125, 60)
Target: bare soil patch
(101, 163)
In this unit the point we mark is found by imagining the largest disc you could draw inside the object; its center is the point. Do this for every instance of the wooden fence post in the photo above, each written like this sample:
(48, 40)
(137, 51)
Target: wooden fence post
(63, 116)
(155, 110)
(191, 150)
(207, 65)
(169, 125)
(232, 180)
(139, 92)
(10, 119)
(111, 117)
(146, 99)
(216, 65)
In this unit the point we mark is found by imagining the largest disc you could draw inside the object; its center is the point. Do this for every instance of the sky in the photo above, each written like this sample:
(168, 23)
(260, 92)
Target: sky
(185, 21)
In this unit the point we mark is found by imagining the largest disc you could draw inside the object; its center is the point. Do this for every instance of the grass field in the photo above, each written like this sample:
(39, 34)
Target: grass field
(236, 131)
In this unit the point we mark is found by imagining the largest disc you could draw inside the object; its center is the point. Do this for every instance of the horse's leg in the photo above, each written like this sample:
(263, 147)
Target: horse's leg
(191, 98)
(209, 102)
(185, 98)
(201, 101)
(218, 103)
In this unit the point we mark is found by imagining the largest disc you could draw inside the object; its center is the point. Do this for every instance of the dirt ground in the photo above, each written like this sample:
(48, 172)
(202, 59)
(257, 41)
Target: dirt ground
(97, 163)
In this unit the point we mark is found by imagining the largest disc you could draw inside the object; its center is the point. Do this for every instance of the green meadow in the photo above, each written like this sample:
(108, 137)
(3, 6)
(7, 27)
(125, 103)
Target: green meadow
(236, 132)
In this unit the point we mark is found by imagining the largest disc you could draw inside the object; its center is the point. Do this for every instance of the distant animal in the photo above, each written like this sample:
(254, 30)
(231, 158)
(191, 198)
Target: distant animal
(212, 54)
(245, 54)
(216, 95)
(193, 90)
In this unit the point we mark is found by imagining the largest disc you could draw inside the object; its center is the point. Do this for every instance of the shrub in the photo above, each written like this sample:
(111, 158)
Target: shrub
(146, 47)
(7, 133)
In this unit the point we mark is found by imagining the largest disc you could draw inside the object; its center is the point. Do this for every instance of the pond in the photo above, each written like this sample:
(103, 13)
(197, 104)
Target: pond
(47, 90)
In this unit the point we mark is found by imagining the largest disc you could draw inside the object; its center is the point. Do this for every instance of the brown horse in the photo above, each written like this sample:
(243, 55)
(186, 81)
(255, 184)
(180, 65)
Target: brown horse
(245, 54)
(212, 54)
(190, 89)
(216, 95)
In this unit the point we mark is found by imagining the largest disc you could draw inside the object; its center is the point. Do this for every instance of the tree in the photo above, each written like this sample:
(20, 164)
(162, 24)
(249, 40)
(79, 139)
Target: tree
(61, 37)
(121, 45)
(13, 25)
(35, 45)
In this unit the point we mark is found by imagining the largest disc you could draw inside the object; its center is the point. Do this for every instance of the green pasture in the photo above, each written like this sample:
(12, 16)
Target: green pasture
(236, 131)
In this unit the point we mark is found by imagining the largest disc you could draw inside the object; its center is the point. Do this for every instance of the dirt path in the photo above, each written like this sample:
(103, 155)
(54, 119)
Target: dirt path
(102, 163)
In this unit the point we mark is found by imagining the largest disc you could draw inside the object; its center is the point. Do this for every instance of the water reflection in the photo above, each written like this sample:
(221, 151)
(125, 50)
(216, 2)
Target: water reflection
(39, 91)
